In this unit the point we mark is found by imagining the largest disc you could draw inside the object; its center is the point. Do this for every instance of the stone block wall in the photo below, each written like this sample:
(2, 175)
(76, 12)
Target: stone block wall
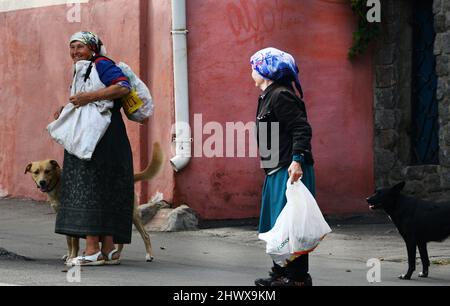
(392, 107)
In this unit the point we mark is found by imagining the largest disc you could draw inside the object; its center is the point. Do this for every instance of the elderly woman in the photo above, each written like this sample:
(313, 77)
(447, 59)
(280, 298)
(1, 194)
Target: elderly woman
(274, 73)
(97, 195)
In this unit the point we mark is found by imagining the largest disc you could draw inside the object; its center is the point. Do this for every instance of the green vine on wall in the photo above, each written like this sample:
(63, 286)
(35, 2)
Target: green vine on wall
(366, 31)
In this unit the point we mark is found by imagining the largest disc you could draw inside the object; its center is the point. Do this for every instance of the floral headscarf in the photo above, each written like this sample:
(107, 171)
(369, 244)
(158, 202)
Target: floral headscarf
(273, 64)
(91, 40)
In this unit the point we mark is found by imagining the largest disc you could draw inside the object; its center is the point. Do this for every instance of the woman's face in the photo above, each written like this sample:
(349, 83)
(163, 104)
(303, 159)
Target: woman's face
(79, 51)
(257, 78)
(259, 81)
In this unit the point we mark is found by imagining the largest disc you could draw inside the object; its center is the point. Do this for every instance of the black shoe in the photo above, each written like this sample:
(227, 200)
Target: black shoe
(276, 274)
(288, 282)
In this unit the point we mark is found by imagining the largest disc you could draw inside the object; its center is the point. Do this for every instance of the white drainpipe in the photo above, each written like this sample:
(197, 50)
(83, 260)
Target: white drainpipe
(182, 128)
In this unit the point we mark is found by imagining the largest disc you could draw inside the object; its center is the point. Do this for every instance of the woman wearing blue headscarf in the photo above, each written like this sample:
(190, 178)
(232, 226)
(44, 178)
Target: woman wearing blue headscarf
(287, 157)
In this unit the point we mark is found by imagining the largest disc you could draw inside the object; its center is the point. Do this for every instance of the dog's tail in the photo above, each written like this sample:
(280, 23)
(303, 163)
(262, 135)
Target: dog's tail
(155, 165)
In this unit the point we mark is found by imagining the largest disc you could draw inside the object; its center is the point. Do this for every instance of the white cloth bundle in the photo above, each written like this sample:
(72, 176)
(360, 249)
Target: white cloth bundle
(80, 129)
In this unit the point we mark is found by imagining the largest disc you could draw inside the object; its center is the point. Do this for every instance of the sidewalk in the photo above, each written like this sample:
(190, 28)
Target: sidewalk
(230, 256)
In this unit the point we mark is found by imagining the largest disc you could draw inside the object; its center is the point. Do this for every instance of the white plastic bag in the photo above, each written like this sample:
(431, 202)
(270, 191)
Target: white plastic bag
(298, 229)
(145, 110)
(80, 129)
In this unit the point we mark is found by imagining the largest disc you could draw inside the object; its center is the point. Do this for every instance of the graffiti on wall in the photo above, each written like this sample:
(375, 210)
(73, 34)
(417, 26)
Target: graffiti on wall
(253, 20)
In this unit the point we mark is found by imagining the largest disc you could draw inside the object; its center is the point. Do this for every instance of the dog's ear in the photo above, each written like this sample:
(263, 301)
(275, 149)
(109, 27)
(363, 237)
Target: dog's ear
(28, 168)
(55, 164)
(399, 187)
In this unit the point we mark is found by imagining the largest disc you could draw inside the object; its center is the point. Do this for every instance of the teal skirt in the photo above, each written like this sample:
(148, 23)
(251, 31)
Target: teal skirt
(274, 195)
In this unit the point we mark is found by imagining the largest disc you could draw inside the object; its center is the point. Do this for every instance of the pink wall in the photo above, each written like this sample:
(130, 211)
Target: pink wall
(158, 56)
(338, 94)
(36, 72)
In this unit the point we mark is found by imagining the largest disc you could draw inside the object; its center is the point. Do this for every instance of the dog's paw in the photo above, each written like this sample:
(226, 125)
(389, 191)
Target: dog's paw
(148, 258)
(423, 274)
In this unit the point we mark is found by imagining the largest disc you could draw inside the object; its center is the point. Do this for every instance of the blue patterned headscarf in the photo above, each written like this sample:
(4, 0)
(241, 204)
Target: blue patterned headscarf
(275, 65)
(91, 40)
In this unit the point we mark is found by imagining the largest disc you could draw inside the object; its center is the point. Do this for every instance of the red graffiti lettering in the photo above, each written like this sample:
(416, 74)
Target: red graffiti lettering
(253, 20)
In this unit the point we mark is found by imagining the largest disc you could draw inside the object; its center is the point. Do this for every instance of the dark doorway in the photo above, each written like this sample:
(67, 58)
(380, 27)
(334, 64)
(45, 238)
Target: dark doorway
(425, 129)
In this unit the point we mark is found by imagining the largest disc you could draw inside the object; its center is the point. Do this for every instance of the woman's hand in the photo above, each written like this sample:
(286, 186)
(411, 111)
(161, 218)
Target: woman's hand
(81, 99)
(58, 113)
(109, 93)
(295, 172)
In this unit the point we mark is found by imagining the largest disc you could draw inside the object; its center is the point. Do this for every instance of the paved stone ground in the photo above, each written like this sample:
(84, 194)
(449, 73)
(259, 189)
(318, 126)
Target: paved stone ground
(209, 257)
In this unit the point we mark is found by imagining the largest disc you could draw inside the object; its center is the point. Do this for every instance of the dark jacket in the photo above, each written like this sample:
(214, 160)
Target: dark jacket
(279, 104)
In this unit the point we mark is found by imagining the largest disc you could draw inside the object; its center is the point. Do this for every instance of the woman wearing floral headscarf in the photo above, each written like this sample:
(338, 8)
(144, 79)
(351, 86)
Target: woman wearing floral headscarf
(97, 195)
(275, 72)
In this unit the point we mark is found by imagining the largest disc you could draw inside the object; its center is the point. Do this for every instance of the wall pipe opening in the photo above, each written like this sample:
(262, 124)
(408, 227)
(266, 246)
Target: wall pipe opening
(182, 137)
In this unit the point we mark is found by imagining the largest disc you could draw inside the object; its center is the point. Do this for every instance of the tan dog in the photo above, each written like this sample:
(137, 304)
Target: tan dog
(47, 174)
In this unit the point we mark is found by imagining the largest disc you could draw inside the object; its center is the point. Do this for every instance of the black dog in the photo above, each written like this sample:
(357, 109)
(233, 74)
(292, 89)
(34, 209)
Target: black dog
(418, 222)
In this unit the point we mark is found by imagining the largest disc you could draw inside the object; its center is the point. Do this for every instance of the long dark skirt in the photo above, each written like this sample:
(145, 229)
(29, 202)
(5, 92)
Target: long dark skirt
(97, 195)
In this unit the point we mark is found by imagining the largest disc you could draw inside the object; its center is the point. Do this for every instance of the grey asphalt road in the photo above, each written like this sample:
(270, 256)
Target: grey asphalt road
(208, 257)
